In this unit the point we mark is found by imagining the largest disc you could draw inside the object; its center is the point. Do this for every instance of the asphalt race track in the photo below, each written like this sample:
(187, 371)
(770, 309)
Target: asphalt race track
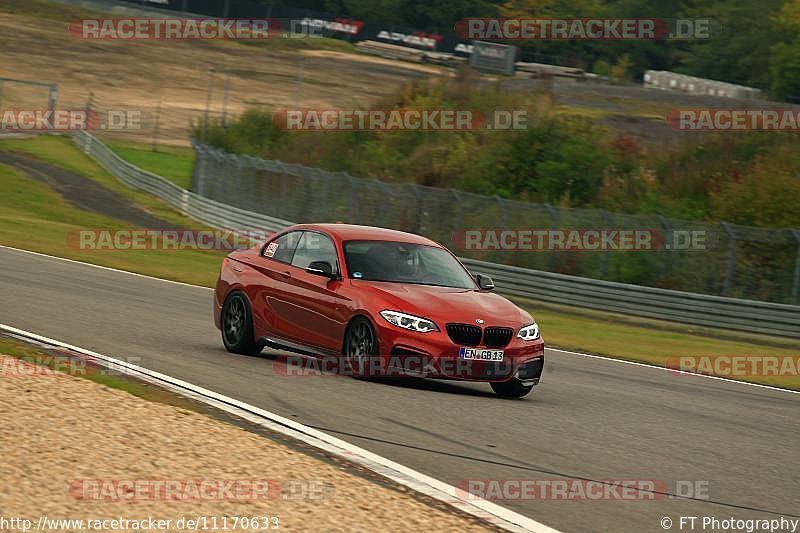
(590, 418)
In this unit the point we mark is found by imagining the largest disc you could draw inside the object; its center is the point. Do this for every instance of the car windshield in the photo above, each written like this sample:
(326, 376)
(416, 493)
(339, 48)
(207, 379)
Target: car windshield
(402, 262)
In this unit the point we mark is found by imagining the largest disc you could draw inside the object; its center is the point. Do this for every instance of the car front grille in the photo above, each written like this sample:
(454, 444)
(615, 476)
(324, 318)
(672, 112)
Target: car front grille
(464, 334)
(469, 335)
(495, 337)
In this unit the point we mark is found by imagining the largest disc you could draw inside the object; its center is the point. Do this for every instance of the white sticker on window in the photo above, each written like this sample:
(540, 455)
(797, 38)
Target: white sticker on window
(271, 249)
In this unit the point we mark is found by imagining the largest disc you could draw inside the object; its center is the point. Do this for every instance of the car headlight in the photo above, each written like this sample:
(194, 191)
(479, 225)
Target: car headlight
(414, 323)
(529, 332)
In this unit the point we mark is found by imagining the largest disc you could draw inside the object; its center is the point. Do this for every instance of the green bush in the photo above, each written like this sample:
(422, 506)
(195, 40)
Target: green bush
(746, 178)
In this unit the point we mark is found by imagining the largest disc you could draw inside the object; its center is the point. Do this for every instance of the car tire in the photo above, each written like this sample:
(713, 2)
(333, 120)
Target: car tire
(513, 388)
(360, 346)
(236, 323)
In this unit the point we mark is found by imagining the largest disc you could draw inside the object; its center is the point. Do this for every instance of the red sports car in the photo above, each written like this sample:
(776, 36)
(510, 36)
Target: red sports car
(379, 303)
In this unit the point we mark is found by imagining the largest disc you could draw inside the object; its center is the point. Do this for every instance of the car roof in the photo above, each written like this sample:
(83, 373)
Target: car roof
(351, 232)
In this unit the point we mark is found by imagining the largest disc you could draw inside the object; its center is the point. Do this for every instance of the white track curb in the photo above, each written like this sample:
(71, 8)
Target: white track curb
(480, 508)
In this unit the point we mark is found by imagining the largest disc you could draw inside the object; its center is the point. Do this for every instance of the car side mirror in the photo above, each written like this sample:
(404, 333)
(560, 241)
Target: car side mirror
(321, 268)
(484, 282)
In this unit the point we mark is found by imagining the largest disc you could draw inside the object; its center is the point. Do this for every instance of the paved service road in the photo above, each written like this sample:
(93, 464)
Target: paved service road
(590, 418)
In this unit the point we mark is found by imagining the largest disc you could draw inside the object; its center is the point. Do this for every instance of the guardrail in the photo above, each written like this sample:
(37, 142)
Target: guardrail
(675, 306)
(672, 81)
(202, 209)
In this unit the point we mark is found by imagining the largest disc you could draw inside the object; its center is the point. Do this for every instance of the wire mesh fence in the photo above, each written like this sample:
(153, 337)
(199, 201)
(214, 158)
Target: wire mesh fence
(31, 107)
(153, 124)
(688, 308)
(695, 256)
(27, 94)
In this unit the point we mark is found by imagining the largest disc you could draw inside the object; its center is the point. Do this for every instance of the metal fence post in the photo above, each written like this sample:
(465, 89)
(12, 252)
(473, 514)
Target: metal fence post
(669, 249)
(351, 199)
(308, 212)
(195, 171)
(264, 186)
(383, 193)
(458, 213)
(202, 172)
(554, 225)
(284, 190)
(89, 105)
(325, 203)
(156, 128)
(416, 224)
(796, 281)
(730, 262)
(225, 93)
(87, 143)
(501, 204)
(209, 94)
(236, 197)
(606, 217)
(53, 97)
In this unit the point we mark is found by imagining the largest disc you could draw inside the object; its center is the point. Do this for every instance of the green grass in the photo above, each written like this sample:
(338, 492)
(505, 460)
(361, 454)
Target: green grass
(70, 365)
(34, 217)
(61, 151)
(653, 341)
(79, 368)
(175, 163)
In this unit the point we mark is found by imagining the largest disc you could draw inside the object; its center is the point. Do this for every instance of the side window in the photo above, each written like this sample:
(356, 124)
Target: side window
(315, 247)
(282, 248)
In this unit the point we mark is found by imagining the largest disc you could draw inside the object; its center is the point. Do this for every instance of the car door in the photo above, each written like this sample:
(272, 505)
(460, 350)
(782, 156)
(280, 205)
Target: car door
(314, 309)
(271, 294)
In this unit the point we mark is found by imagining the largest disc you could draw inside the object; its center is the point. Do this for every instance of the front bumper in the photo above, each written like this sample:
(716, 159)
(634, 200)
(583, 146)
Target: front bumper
(434, 355)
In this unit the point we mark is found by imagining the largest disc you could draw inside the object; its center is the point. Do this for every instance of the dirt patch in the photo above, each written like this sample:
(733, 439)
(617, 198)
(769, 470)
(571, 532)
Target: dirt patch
(74, 449)
(138, 75)
(375, 61)
(84, 193)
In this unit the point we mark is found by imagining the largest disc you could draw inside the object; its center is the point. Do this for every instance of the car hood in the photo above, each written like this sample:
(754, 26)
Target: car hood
(446, 304)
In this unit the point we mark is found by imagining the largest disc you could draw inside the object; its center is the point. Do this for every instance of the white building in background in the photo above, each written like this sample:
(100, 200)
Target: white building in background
(671, 81)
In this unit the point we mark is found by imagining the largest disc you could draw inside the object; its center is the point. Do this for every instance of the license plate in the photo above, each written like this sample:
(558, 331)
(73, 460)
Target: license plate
(480, 354)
